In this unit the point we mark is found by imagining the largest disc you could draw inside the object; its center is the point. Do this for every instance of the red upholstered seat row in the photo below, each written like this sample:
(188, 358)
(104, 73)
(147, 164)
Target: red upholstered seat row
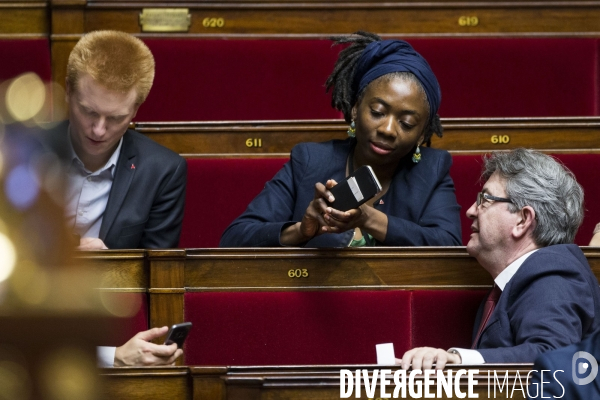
(270, 79)
(334, 327)
(312, 327)
(219, 190)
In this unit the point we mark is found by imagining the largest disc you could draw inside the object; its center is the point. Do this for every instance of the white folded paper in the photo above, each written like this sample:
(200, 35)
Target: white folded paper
(385, 354)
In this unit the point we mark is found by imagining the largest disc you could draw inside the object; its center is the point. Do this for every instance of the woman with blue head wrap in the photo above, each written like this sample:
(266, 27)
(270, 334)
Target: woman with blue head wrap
(390, 96)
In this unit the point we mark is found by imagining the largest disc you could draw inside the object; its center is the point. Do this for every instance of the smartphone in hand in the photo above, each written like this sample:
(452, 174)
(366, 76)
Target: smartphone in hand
(178, 333)
(361, 186)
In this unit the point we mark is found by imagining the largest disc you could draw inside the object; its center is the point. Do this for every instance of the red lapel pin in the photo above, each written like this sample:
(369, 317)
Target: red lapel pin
(381, 201)
(132, 166)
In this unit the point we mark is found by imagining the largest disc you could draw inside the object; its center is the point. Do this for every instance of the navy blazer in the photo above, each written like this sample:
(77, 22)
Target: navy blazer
(145, 205)
(559, 382)
(420, 202)
(552, 301)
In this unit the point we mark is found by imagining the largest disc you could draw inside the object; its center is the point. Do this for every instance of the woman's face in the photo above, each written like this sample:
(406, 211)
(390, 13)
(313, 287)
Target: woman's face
(390, 120)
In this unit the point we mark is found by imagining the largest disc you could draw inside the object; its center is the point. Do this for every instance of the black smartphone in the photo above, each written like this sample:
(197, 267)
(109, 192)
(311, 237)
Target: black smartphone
(358, 188)
(178, 333)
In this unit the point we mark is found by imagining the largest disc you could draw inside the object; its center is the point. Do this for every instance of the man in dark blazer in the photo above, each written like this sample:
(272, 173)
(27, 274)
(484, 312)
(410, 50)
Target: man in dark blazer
(145, 204)
(124, 190)
(545, 295)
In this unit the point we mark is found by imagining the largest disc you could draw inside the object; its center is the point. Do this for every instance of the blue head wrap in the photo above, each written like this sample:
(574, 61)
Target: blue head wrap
(387, 56)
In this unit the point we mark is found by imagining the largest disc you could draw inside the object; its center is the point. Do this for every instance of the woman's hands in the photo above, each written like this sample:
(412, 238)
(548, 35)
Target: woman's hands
(320, 218)
(313, 222)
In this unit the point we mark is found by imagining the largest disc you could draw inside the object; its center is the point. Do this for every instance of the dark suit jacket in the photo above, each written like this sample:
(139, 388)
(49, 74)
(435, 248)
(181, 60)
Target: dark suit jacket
(420, 203)
(145, 205)
(559, 381)
(552, 301)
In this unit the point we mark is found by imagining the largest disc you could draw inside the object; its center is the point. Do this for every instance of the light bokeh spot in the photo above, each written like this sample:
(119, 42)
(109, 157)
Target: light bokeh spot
(121, 304)
(69, 373)
(15, 382)
(31, 284)
(25, 97)
(8, 257)
(21, 187)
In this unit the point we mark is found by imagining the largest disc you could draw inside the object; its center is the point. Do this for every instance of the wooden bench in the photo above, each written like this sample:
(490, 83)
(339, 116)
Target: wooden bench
(294, 306)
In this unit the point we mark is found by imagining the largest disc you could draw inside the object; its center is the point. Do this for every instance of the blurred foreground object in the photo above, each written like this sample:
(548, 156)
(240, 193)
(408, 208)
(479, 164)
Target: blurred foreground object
(51, 316)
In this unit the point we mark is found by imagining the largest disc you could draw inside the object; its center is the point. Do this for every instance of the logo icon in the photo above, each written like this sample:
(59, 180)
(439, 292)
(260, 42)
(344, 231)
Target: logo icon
(580, 367)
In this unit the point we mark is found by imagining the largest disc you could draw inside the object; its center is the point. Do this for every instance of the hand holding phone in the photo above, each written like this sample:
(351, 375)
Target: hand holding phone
(177, 334)
(361, 186)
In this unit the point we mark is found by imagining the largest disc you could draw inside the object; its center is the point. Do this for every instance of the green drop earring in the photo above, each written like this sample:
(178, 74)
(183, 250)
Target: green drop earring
(416, 155)
(352, 129)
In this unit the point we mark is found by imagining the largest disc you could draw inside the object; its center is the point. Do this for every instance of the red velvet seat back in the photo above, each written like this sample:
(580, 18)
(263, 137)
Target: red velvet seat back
(27, 55)
(240, 180)
(295, 328)
(514, 77)
(218, 191)
(270, 79)
(444, 318)
(585, 167)
(465, 172)
(211, 80)
(325, 327)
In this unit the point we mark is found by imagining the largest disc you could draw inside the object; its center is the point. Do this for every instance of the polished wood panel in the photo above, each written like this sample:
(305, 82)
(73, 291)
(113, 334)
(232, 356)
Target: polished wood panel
(275, 269)
(119, 270)
(164, 383)
(269, 269)
(314, 17)
(166, 289)
(461, 135)
(24, 19)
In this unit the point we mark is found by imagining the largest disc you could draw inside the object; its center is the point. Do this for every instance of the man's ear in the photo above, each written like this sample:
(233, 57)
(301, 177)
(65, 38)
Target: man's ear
(526, 222)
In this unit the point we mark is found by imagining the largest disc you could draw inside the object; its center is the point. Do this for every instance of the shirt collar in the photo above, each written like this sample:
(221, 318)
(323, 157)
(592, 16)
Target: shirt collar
(505, 276)
(112, 161)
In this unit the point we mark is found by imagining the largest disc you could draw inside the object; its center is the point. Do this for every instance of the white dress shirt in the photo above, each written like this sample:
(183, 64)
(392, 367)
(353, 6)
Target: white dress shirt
(87, 197)
(105, 356)
(87, 193)
(473, 357)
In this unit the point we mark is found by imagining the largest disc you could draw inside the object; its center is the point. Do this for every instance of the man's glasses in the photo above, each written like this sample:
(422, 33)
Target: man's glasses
(481, 197)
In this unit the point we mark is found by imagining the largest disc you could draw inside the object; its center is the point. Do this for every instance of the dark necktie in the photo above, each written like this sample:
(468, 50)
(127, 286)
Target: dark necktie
(488, 309)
